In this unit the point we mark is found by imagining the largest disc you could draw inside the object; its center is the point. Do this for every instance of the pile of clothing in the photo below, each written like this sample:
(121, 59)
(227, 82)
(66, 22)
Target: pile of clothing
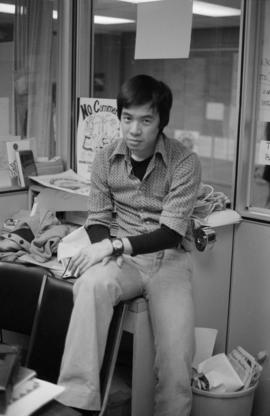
(35, 236)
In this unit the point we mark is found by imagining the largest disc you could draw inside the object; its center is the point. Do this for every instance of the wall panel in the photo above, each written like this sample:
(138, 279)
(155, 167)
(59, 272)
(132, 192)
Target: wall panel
(212, 285)
(249, 323)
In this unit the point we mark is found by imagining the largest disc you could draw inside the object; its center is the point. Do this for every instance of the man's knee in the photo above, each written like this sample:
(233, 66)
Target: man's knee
(97, 281)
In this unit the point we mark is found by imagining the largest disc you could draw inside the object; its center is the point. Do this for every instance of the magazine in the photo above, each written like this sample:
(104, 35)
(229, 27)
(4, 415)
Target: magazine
(68, 181)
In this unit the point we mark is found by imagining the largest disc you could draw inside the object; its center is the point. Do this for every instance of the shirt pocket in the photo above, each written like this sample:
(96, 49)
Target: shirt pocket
(159, 191)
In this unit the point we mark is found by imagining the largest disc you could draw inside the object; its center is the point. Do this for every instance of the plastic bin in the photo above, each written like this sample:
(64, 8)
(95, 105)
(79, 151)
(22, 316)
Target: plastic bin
(238, 403)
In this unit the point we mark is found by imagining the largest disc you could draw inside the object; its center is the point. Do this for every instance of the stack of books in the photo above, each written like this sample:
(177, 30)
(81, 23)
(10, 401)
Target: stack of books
(9, 366)
(25, 382)
(21, 392)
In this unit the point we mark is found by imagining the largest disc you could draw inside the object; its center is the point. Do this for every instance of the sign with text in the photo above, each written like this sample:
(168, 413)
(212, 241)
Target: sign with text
(264, 153)
(264, 75)
(98, 125)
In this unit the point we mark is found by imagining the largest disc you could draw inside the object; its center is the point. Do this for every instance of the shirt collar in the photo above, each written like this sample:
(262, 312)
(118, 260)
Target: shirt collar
(122, 149)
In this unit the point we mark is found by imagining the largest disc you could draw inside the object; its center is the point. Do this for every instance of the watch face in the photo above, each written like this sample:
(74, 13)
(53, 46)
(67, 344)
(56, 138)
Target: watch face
(117, 244)
(118, 247)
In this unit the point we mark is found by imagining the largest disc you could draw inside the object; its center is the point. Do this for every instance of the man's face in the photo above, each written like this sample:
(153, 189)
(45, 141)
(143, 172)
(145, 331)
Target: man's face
(140, 128)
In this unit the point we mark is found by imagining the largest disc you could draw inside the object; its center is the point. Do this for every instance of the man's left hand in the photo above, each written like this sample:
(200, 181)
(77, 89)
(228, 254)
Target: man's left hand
(88, 256)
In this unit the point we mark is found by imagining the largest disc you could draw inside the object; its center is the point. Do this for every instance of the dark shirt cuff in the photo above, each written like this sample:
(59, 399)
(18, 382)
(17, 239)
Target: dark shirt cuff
(97, 232)
(157, 240)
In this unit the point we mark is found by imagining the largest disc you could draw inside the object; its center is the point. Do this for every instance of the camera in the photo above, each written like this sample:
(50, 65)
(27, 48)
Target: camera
(204, 237)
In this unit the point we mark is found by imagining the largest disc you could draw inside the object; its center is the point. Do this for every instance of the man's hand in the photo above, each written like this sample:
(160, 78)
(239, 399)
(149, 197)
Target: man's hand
(89, 256)
(119, 260)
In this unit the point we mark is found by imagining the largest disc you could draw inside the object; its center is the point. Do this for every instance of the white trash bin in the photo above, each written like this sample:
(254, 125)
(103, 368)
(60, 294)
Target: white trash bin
(239, 403)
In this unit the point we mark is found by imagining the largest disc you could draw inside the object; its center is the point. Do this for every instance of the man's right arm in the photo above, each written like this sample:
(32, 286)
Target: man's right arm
(157, 240)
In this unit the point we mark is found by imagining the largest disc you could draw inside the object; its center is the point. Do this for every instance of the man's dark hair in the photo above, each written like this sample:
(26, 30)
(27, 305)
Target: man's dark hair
(143, 89)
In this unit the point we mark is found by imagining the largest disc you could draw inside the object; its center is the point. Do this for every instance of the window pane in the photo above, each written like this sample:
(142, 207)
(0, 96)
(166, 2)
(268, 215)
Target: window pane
(260, 181)
(28, 65)
(204, 85)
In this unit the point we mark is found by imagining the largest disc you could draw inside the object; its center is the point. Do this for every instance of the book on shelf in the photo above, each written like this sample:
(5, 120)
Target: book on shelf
(30, 393)
(26, 166)
(12, 147)
(23, 384)
(43, 393)
(9, 366)
(15, 381)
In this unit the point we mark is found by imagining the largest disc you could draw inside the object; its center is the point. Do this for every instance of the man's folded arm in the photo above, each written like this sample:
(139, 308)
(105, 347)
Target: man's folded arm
(160, 239)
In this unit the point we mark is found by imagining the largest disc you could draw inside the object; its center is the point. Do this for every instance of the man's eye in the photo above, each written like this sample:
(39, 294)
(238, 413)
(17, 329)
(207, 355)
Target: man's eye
(126, 119)
(146, 121)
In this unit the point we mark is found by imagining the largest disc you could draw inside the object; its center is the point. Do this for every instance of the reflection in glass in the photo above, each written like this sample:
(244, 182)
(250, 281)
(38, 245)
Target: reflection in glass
(28, 50)
(260, 184)
(204, 85)
(260, 180)
(266, 169)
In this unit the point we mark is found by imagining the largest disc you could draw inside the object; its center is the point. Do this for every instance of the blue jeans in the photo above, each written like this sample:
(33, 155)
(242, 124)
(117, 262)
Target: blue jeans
(164, 279)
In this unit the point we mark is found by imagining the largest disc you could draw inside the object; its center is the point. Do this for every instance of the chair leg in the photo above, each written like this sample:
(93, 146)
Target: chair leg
(143, 378)
(35, 323)
(111, 353)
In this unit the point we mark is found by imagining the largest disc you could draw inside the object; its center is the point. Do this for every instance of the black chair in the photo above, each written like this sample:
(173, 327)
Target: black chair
(111, 354)
(49, 329)
(34, 303)
(49, 332)
(20, 288)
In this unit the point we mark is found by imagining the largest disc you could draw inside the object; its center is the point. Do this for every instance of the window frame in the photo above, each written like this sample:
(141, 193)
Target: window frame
(249, 93)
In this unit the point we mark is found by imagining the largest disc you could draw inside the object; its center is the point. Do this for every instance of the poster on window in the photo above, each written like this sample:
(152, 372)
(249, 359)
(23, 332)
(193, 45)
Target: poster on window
(264, 75)
(98, 125)
(264, 152)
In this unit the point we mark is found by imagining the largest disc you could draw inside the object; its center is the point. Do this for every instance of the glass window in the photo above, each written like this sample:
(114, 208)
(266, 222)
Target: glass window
(204, 113)
(29, 65)
(253, 186)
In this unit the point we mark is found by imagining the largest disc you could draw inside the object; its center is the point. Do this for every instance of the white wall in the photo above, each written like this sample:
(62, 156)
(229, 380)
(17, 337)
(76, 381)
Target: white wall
(211, 283)
(249, 323)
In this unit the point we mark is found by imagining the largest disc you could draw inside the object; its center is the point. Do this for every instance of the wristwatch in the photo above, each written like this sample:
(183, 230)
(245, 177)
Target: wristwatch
(118, 247)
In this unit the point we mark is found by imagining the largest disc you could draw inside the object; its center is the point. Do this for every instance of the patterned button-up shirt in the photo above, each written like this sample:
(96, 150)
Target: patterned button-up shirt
(166, 195)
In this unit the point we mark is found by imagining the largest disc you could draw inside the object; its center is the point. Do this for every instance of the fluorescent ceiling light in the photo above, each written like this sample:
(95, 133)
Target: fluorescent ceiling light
(138, 1)
(102, 20)
(10, 9)
(213, 10)
(107, 20)
(199, 7)
(202, 8)
(7, 8)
